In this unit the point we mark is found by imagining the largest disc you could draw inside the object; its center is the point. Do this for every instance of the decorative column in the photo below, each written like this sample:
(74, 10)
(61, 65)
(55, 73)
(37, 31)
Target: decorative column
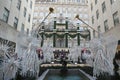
(54, 34)
(42, 36)
(78, 36)
(89, 35)
(66, 33)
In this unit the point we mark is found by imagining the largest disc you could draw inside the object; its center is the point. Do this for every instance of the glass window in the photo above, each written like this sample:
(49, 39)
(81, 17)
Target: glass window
(83, 1)
(27, 31)
(103, 7)
(99, 30)
(112, 1)
(15, 22)
(91, 6)
(97, 14)
(78, 0)
(5, 15)
(92, 19)
(106, 25)
(29, 18)
(115, 18)
(94, 33)
(25, 10)
(22, 28)
(96, 1)
(19, 4)
(31, 4)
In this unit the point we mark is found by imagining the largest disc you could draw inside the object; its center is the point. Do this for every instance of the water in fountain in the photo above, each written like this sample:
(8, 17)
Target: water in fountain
(103, 52)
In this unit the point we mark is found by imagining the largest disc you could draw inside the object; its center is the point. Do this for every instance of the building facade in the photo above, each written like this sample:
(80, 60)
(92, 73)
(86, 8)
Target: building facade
(104, 15)
(15, 17)
(65, 8)
(61, 31)
(17, 13)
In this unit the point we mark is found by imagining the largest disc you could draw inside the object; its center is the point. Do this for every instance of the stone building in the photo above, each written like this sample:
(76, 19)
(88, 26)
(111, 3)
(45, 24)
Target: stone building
(104, 15)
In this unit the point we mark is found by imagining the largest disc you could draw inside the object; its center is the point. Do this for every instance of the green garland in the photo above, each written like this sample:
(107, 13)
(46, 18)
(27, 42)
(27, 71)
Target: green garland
(73, 35)
(48, 35)
(84, 36)
(60, 35)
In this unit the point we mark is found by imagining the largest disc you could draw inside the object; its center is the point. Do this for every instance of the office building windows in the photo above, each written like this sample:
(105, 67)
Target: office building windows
(112, 1)
(25, 10)
(92, 19)
(93, 33)
(115, 18)
(29, 18)
(5, 15)
(22, 28)
(27, 31)
(31, 4)
(15, 22)
(19, 4)
(97, 14)
(106, 25)
(99, 30)
(103, 7)
(96, 1)
(91, 6)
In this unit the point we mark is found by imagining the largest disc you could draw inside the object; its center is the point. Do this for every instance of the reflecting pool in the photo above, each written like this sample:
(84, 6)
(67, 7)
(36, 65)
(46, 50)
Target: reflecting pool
(71, 74)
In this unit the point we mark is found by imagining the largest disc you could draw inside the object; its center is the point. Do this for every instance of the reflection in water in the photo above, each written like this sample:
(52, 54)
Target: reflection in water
(71, 74)
(56, 77)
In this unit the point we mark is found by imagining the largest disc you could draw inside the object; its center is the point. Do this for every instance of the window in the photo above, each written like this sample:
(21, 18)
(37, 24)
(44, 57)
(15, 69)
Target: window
(115, 18)
(29, 18)
(83, 1)
(103, 7)
(99, 31)
(106, 25)
(94, 33)
(27, 31)
(53, 0)
(5, 15)
(19, 4)
(92, 19)
(15, 22)
(97, 14)
(25, 10)
(96, 1)
(91, 6)
(22, 28)
(112, 1)
(78, 0)
(31, 4)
